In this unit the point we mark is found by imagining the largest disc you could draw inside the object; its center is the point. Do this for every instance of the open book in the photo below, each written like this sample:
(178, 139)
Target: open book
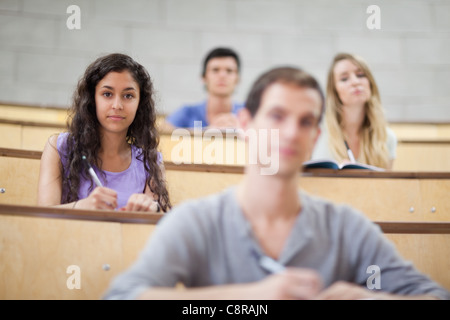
(332, 164)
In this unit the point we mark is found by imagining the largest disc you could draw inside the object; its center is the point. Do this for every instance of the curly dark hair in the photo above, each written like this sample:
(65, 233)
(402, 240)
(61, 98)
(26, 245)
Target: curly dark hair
(84, 132)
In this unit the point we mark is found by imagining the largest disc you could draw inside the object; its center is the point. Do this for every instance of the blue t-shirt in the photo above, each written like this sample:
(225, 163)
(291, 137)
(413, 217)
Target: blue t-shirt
(188, 114)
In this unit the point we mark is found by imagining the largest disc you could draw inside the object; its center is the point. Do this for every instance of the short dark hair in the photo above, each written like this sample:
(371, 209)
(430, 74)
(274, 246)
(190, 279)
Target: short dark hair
(289, 75)
(219, 53)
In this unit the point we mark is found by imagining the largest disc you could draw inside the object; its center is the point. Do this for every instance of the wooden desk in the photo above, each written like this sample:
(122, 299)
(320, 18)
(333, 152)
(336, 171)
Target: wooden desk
(58, 115)
(421, 155)
(387, 196)
(421, 146)
(383, 196)
(212, 147)
(41, 244)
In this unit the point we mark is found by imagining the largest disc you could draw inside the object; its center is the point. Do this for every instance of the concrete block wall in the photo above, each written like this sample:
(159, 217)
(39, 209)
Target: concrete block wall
(41, 59)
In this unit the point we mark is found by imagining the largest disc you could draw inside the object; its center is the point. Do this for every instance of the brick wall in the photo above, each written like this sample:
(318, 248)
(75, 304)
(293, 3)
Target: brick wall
(41, 59)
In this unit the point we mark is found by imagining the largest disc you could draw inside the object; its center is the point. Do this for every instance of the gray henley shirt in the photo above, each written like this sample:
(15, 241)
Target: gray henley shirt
(208, 241)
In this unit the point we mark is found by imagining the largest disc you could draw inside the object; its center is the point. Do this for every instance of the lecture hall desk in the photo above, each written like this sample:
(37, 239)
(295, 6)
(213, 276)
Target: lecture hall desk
(421, 146)
(50, 253)
(41, 243)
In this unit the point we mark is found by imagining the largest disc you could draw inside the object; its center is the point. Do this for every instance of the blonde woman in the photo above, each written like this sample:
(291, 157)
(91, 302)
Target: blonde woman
(354, 117)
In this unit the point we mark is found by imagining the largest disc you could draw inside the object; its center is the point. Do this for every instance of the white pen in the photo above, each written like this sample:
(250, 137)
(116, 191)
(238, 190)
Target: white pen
(350, 153)
(268, 263)
(92, 173)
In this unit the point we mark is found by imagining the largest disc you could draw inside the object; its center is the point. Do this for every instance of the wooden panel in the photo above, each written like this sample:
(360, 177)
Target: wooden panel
(134, 238)
(37, 113)
(38, 252)
(378, 195)
(421, 131)
(430, 253)
(415, 131)
(39, 244)
(379, 199)
(418, 156)
(443, 131)
(185, 185)
(430, 152)
(35, 138)
(209, 149)
(11, 136)
(435, 196)
(33, 113)
(16, 134)
(423, 157)
(19, 177)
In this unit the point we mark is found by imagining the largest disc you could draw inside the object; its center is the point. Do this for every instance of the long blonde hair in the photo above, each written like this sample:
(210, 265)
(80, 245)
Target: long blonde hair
(373, 145)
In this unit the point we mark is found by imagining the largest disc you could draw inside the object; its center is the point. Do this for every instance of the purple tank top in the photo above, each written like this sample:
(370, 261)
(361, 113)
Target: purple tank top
(125, 183)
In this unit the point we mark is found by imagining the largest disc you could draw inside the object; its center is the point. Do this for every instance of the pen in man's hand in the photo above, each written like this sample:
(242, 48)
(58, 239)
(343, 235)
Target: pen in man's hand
(267, 263)
(270, 264)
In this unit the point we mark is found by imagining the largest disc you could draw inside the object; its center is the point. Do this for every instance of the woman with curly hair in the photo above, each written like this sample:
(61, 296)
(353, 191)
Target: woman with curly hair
(354, 116)
(111, 127)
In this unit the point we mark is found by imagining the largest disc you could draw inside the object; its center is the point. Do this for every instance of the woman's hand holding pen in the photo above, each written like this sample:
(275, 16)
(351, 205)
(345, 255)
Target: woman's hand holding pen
(141, 202)
(101, 198)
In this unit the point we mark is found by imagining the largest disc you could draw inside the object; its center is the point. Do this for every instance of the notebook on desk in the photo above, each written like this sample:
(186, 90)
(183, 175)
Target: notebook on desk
(332, 164)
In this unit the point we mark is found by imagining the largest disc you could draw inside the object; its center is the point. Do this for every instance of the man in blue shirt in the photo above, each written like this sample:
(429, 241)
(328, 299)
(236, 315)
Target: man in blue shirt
(220, 76)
